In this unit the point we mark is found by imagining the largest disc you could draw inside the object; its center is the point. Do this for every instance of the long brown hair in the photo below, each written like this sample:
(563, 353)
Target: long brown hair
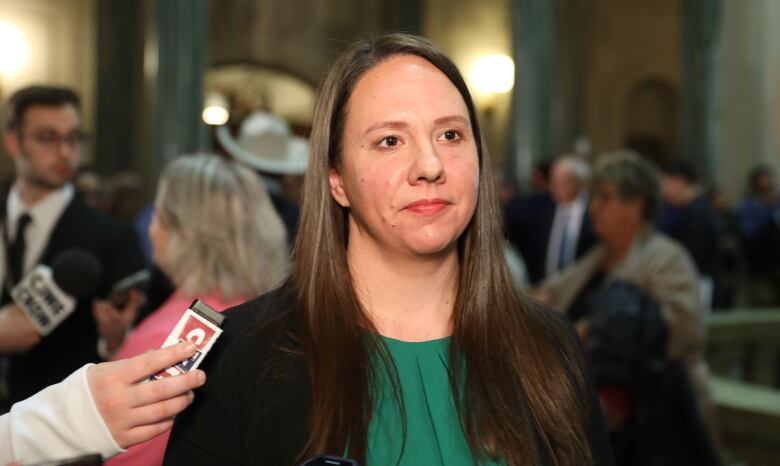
(514, 372)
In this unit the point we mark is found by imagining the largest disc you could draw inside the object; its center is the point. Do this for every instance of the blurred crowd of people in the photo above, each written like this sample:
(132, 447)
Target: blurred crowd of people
(629, 242)
(735, 247)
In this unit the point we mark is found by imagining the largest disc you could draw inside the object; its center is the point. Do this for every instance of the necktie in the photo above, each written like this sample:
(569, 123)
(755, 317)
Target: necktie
(563, 256)
(16, 249)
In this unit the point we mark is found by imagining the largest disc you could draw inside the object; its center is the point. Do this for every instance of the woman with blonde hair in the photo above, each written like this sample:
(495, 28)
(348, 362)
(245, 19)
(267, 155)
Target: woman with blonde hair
(217, 237)
(399, 338)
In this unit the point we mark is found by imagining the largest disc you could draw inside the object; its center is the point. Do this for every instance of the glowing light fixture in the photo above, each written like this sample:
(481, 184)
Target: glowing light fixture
(13, 49)
(216, 111)
(492, 74)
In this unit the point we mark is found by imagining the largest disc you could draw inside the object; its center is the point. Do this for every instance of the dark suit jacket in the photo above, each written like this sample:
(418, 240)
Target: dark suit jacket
(73, 343)
(255, 405)
(696, 227)
(529, 222)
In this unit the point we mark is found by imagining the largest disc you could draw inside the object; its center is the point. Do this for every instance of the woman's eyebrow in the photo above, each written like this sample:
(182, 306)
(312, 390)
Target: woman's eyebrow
(387, 124)
(402, 124)
(451, 119)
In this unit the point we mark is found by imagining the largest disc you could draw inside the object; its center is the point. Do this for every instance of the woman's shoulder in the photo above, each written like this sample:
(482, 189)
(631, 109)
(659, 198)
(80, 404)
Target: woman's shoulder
(657, 243)
(265, 312)
(255, 379)
(259, 323)
(662, 254)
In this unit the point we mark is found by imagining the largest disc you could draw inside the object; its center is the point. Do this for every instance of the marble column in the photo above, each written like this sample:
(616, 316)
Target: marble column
(175, 59)
(119, 85)
(533, 43)
(700, 109)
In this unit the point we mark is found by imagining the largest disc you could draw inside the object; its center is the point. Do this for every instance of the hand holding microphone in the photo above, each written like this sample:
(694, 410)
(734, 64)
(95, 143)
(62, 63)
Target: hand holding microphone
(48, 295)
(135, 412)
(17, 333)
(45, 297)
(110, 406)
(112, 322)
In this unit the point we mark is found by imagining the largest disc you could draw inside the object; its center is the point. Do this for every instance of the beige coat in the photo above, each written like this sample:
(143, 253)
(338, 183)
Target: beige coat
(664, 270)
(658, 266)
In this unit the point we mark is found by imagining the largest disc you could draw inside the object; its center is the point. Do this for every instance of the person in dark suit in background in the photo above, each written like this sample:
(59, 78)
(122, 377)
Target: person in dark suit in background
(42, 217)
(552, 230)
(688, 216)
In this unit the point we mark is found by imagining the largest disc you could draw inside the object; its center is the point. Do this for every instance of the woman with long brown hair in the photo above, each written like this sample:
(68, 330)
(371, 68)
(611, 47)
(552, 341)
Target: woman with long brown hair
(399, 338)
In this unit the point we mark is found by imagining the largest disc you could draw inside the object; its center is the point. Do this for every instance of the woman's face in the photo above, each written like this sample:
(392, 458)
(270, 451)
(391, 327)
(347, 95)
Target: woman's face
(158, 233)
(612, 215)
(409, 169)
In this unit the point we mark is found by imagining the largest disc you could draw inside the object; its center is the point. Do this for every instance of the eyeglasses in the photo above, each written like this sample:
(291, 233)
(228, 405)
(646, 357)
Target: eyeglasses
(53, 139)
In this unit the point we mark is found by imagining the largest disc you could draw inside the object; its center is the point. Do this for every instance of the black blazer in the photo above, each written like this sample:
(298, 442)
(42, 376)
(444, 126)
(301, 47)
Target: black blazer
(529, 222)
(73, 343)
(254, 407)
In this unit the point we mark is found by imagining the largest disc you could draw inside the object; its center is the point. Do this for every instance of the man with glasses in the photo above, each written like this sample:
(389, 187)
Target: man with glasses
(41, 217)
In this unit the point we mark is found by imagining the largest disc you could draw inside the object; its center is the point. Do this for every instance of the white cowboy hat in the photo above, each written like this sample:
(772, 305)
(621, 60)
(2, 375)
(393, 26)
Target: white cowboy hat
(266, 144)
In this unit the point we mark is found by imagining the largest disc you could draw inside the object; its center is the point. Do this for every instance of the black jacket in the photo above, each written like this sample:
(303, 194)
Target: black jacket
(254, 412)
(529, 221)
(74, 342)
(626, 345)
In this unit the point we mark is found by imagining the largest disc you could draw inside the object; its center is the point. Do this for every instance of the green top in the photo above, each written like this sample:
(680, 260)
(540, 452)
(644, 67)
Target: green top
(433, 431)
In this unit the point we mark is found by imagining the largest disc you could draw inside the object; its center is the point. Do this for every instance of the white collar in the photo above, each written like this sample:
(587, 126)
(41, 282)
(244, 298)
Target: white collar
(576, 204)
(44, 213)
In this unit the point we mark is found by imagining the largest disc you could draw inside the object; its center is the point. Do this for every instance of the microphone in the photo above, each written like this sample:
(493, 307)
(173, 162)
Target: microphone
(47, 295)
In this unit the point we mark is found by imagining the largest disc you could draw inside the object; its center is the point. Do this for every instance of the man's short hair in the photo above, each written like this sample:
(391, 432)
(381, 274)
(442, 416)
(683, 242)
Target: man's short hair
(577, 167)
(46, 96)
(680, 170)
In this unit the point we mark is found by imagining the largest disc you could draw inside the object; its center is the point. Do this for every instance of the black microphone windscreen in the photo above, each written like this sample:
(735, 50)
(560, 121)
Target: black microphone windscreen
(77, 272)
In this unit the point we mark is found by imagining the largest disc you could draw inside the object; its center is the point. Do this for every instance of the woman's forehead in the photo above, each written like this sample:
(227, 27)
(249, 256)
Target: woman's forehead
(404, 86)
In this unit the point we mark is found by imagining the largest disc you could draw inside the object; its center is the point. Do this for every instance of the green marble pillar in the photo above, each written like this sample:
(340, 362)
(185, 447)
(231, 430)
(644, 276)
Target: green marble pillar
(700, 114)
(151, 60)
(175, 59)
(119, 86)
(531, 132)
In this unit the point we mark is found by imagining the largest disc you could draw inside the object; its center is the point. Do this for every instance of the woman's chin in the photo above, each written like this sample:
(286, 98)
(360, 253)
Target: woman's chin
(433, 247)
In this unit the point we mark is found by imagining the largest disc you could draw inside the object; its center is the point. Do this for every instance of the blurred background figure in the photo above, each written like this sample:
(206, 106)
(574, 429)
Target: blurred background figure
(124, 199)
(217, 236)
(624, 207)
(89, 186)
(551, 228)
(266, 144)
(688, 217)
(758, 217)
(43, 217)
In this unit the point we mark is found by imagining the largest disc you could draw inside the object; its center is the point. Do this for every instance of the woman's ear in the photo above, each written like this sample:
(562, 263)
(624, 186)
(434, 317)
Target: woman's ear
(337, 187)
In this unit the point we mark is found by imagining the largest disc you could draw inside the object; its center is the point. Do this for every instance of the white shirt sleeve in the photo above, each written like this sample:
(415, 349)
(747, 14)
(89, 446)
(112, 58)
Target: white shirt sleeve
(59, 422)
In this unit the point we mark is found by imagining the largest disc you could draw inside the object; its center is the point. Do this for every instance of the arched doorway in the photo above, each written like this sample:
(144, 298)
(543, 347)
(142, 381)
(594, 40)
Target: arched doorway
(651, 119)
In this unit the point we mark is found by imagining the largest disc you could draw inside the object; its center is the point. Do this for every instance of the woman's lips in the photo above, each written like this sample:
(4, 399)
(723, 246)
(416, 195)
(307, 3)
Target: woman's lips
(427, 206)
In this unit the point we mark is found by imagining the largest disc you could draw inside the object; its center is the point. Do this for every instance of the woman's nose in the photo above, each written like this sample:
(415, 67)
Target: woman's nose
(428, 165)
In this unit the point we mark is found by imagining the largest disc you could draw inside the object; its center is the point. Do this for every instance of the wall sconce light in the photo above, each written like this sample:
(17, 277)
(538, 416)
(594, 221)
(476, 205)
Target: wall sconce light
(215, 111)
(13, 51)
(491, 75)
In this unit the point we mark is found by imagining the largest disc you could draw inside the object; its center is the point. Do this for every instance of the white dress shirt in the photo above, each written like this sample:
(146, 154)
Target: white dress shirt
(568, 221)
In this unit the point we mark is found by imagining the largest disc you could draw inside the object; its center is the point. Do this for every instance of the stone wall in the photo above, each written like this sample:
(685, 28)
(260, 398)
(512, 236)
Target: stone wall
(631, 43)
(750, 92)
(301, 37)
(466, 30)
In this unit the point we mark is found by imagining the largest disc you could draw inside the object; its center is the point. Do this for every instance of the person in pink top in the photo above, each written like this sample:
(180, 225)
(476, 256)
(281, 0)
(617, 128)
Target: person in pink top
(216, 235)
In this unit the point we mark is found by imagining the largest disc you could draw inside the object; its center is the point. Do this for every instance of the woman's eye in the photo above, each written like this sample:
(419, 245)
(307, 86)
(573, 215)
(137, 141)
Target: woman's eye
(451, 135)
(389, 141)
